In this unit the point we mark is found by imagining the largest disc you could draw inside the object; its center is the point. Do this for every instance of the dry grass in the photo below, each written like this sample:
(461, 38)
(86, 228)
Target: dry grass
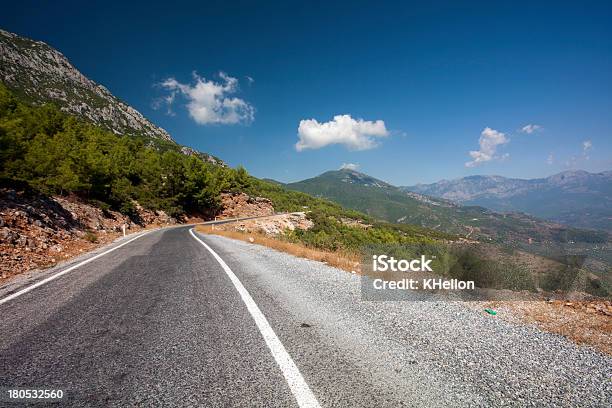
(587, 323)
(347, 261)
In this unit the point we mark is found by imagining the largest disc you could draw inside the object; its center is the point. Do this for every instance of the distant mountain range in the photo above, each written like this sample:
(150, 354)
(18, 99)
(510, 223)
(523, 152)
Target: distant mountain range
(575, 198)
(382, 200)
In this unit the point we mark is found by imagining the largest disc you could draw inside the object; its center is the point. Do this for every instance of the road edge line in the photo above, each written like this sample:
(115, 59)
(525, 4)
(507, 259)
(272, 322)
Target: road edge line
(65, 271)
(300, 390)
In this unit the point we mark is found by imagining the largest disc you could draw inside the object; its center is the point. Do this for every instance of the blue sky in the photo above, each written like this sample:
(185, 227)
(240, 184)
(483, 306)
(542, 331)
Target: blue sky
(436, 75)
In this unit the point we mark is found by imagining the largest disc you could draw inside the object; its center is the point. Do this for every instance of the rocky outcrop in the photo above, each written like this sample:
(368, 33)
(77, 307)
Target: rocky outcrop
(242, 205)
(38, 231)
(237, 205)
(41, 74)
(276, 225)
(350, 222)
(188, 151)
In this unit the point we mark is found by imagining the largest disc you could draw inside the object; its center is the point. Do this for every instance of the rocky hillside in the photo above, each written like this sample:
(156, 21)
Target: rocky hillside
(41, 74)
(38, 231)
(237, 205)
(38, 74)
(575, 198)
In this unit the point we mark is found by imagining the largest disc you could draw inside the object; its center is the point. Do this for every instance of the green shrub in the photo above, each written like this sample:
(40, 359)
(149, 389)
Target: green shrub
(55, 153)
(91, 237)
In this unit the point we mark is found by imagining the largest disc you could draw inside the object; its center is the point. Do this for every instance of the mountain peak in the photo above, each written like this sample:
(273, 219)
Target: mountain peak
(41, 74)
(355, 177)
(568, 176)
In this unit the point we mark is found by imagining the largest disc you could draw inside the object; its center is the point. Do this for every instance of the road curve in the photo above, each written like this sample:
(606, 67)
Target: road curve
(160, 322)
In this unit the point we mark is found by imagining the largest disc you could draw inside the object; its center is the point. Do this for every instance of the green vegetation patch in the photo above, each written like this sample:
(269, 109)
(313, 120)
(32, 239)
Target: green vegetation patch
(55, 153)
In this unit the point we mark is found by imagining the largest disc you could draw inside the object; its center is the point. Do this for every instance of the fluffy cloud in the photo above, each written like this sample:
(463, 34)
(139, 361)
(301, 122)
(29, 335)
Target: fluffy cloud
(550, 159)
(210, 102)
(489, 140)
(355, 134)
(529, 129)
(166, 101)
(579, 160)
(587, 145)
(349, 166)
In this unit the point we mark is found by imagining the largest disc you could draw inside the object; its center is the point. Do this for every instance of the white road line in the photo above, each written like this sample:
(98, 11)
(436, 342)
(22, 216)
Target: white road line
(65, 271)
(302, 393)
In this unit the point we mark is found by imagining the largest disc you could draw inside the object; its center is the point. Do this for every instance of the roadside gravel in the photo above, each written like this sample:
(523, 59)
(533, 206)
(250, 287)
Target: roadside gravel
(410, 353)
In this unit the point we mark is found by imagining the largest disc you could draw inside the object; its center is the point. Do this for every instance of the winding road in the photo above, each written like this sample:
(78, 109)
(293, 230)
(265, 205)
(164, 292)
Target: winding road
(176, 318)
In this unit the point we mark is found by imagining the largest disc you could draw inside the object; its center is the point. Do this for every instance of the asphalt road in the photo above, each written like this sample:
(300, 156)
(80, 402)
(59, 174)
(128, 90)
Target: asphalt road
(159, 322)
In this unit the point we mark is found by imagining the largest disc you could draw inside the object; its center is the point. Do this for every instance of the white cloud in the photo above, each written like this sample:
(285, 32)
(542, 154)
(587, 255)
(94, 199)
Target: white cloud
(355, 134)
(209, 102)
(550, 159)
(529, 129)
(349, 166)
(165, 101)
(489, 140)
(587, 145)
(579, 160)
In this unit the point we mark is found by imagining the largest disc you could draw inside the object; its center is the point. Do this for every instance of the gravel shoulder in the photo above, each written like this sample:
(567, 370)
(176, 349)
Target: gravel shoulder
(410, 353)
